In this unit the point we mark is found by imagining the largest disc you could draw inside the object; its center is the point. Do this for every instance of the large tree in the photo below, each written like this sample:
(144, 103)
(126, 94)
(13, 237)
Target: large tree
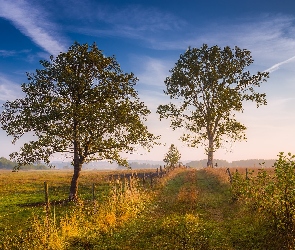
(82, 103)
(211, 85)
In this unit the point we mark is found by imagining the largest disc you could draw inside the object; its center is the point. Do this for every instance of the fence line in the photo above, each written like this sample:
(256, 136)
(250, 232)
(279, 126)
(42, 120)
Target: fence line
(144, 177)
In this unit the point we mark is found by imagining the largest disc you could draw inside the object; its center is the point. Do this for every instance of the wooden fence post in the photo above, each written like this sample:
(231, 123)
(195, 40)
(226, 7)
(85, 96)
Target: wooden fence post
(230, 176)
(130, 182)
(93, 192)
(46, 196)
(151, 176)
(54, 214)
(46, 192)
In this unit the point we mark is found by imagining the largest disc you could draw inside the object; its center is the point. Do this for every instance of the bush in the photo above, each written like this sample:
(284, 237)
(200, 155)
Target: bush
(272, 198)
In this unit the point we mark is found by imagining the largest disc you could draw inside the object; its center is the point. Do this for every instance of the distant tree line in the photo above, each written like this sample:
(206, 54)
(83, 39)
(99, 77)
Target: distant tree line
(7, 164)
(240, 163)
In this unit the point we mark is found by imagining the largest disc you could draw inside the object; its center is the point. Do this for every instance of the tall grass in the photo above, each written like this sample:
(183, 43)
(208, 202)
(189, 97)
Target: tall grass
(87, 221)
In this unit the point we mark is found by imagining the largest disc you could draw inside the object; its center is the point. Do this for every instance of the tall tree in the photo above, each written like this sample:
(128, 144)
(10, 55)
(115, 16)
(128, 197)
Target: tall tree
(172, 157)
(211, 85)
(82, 103)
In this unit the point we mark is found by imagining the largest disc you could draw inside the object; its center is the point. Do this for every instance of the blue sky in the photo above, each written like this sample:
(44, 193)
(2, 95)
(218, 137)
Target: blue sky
(147, 38)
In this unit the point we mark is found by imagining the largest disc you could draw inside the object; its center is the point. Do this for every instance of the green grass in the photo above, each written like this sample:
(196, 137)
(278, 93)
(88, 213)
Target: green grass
(22, 193)
(187, 209)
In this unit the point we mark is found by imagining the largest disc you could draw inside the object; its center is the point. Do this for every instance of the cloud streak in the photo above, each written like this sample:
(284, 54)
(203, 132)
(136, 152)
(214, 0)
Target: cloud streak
(277, 65)
(32, 23)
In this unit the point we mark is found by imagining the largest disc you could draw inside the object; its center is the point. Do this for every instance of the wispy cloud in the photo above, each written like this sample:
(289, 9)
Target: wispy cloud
(152, 71)
(9, 90)
(131, 21)
(7, 53)
(136, 18)
(10, 53)
(271, 39)
(32, 22)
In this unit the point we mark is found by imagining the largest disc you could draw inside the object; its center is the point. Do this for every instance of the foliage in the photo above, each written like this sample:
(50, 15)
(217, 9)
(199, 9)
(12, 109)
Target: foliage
(211, 85)
(273, 197)
(172, 157)
(81, 103)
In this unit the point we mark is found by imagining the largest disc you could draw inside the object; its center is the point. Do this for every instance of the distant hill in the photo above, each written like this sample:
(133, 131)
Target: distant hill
(253, 163)
(241, 163)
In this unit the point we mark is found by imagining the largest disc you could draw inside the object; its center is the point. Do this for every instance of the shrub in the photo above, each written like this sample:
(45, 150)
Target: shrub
(272, 197)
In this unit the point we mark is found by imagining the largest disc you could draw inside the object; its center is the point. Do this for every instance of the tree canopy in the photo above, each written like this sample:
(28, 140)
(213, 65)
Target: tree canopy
(211, 85)
(82, 103)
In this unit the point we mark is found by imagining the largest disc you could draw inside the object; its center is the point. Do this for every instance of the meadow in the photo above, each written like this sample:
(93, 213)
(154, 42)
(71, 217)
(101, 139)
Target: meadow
(22, 193)
(185, 209)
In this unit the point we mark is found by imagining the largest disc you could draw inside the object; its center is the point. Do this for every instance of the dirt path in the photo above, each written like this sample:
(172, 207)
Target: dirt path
(187, 214)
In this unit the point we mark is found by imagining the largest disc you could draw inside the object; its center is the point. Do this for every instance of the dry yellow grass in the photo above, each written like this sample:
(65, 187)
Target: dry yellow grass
(223, 176)
(188, 193)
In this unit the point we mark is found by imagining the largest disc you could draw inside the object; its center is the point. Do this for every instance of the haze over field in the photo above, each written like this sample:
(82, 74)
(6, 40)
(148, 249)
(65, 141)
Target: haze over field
(147, 38)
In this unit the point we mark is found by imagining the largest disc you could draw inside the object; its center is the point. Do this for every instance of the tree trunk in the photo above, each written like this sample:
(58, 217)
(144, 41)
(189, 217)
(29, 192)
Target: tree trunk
(74, 183)
(210, 154)
(77, 169)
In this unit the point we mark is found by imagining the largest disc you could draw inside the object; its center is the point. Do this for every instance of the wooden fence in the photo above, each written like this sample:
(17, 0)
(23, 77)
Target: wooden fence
(147, 179)
(231, 177)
